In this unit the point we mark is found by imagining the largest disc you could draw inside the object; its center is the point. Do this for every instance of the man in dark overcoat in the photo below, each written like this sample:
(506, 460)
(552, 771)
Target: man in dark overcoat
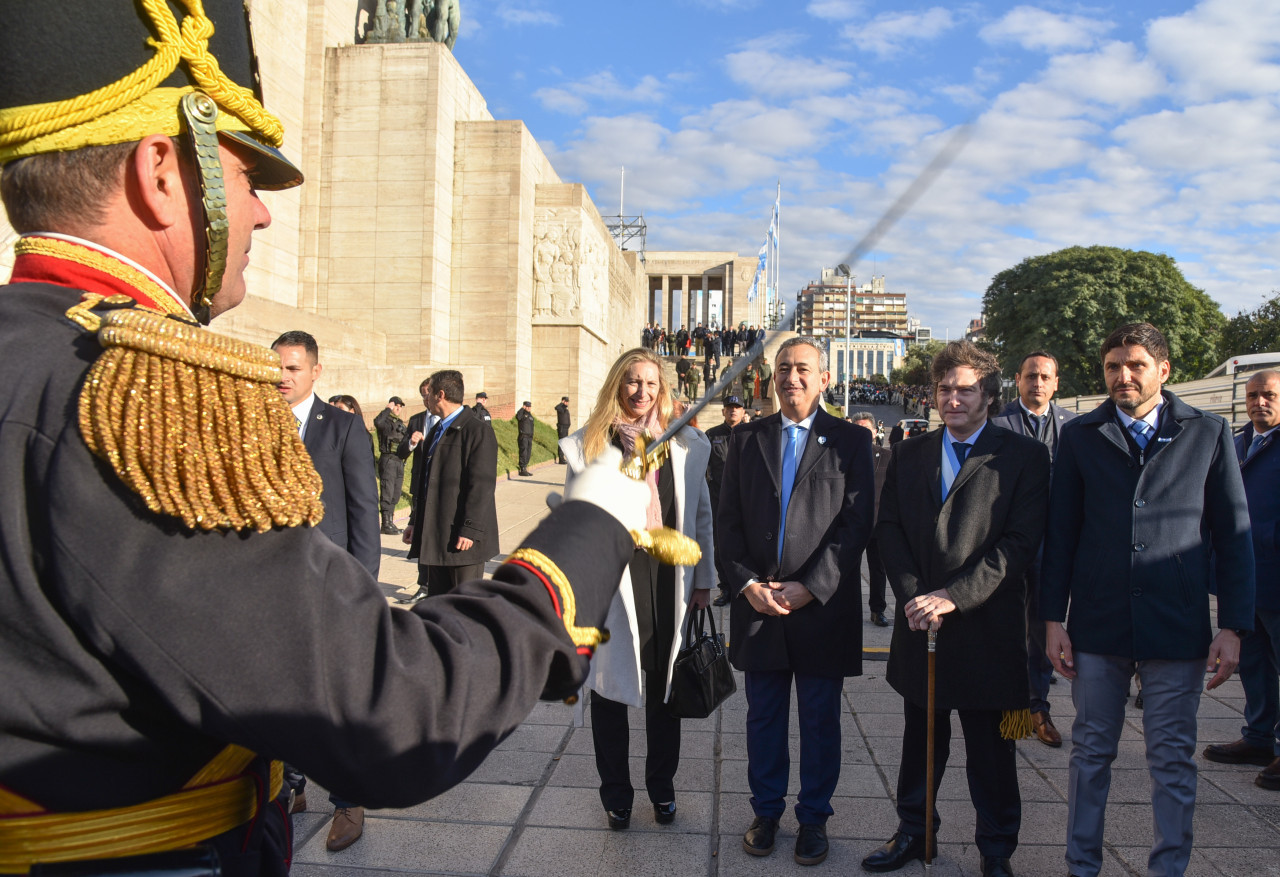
(455, 514)
(1148, 512)
(1258, 449)
(524, 437)
(794, 516)
(961, 517)
(1035, 414)
(877, 581)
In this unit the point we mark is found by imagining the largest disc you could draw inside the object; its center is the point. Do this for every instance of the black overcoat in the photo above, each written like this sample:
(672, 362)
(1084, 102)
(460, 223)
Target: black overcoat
(829, 520)
(458, 499)
(1135, 549)
(977, 544)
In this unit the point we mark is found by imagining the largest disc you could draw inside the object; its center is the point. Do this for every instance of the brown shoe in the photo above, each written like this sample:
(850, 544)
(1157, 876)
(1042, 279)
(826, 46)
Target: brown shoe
(1270, 777)
(1045, 731)
(299, 804)
(348, 825)
(1239, 752)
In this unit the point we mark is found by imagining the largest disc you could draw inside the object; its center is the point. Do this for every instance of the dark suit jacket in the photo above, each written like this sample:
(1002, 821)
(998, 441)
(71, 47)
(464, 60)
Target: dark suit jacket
(829, 520)
(458, 497)
(1010, 417)
(977, 544)
(1261, 474)
(343, 455)
(1135, 549)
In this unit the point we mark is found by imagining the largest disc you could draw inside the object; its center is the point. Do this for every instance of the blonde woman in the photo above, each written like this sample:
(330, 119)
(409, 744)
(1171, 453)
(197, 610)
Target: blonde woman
(646, 619)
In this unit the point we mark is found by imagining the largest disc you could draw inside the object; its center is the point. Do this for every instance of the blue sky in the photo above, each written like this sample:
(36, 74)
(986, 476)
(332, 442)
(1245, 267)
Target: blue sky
(1149, 125)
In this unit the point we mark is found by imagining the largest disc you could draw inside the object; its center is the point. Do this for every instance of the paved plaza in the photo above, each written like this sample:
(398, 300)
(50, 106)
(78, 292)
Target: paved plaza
(532, 808)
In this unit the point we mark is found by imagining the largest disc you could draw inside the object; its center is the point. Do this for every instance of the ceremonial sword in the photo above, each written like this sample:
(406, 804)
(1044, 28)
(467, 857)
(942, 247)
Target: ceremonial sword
(955, 143)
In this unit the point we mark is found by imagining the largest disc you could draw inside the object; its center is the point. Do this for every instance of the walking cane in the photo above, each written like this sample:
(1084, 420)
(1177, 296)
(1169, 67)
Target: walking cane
(928, 758)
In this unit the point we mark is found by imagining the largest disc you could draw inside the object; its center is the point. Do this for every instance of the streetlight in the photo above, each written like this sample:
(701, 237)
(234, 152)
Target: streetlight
(848, 325)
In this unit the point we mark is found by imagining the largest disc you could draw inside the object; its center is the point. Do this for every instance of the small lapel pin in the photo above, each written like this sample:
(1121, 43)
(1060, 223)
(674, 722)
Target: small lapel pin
(822, 439)
(319, 417)
(1164, 438)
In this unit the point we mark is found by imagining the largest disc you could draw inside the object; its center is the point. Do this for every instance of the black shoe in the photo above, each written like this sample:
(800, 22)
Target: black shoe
(665, 814)
(415, 598)
(758, 841)
(619, 819)
(878, 619)
(525, 473)
(390, 529)
(1239, 752)
(900, 849)
(811, 845)
(1137, 702)
(994, 866)
(722, 599)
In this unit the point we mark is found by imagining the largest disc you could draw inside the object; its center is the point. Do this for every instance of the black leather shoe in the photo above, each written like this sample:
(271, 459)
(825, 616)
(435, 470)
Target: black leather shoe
(758, 841)
(900, 849)
(1239, 752)
(994, 866)
(416, 598)
(811, 845)
(619, 819)
(722, 599)
(665, 814)
(878, 619)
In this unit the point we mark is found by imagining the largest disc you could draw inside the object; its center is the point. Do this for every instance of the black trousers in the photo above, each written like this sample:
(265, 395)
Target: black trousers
(391, 483)
(876, 578)
(525, 444)
(442, 579)
(990, 766)
(611, 734)
(561, 432)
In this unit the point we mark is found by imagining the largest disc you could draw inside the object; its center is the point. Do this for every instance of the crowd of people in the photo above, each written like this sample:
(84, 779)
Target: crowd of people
(190, 622)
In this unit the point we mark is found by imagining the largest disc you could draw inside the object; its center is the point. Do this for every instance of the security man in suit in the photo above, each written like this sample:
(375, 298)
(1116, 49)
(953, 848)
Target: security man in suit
(1148, 512)
(168, 606)
(391, 431)
(961, 516)
(562, 425)
(877, 581)
(719, 436)
(794, 516)
(1035, 414)
(340, 450)
(1258, 449)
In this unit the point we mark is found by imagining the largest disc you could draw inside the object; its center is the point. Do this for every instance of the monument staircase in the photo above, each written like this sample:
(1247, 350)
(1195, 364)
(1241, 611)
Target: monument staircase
(710, 416)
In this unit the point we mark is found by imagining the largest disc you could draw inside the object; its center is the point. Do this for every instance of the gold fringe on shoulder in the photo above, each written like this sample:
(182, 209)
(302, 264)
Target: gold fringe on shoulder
(193, 423)
(668, 546)
(1016, 725)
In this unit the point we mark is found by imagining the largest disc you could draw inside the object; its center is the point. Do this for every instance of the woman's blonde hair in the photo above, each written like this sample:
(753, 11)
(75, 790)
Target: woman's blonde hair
(609, 405)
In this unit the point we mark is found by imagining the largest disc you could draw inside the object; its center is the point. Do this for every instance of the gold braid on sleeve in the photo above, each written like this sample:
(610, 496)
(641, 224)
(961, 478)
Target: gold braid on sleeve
(581, 636)
(192, 422)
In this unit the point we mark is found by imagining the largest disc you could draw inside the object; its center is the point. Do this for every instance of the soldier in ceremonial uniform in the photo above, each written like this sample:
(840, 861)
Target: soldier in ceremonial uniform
(168, 610)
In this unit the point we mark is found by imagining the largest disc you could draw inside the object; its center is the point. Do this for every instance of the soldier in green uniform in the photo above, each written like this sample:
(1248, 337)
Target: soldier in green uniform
(168, 610)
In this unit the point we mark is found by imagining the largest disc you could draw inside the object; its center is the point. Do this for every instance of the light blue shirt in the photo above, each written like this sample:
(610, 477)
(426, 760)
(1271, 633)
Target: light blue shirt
(951, 461)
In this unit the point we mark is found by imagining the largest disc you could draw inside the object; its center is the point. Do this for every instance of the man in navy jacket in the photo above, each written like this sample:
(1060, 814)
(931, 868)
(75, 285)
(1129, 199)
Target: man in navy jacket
(1258, 449)
(1147, 510)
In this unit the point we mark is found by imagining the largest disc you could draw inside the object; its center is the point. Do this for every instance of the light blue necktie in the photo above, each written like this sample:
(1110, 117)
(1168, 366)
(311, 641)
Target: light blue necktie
(1139, 430)
(1254, 445)
(789, 462)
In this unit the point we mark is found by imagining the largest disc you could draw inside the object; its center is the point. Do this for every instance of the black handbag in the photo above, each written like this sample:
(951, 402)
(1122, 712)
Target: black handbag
(701, 679)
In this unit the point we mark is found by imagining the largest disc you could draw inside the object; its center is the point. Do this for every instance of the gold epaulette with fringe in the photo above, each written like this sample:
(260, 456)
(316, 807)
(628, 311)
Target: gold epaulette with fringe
(192, 422)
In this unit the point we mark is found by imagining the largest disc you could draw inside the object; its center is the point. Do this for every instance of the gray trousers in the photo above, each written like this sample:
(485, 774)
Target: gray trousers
(1171, 697)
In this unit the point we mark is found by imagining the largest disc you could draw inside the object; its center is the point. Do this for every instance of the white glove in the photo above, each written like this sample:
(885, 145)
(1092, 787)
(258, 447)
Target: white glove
(602, 484)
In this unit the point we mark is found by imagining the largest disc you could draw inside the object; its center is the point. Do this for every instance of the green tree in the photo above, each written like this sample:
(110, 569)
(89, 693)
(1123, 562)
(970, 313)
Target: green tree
(1069, 301)
(914, 370)
(1256, 331)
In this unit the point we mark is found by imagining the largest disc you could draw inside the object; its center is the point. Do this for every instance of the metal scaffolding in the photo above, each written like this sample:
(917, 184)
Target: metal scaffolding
(626, 229)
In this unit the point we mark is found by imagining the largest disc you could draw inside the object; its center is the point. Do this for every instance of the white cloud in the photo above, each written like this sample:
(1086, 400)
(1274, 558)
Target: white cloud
(1037, 30)
(574, 98)
(769, 73)
(835, 10)
(1221, 48)
(888, 33)
(514, 14)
